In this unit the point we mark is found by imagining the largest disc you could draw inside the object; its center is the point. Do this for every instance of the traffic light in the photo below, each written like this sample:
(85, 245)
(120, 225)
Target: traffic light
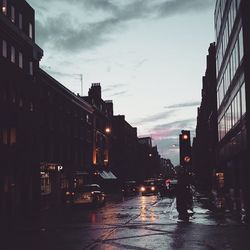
(185, 149)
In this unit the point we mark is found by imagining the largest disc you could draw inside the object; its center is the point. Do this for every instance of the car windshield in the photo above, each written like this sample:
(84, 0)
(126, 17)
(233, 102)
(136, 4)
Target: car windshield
(129, 184)
(89, 188)
(149, 183)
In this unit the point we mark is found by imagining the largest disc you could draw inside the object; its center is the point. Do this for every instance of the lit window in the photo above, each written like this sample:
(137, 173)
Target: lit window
(30, 30)
(4, 7)
(20, 21)
(12, 55)
(12, 136)
(12, 11)
(4, 48)
(20, 61)
(31, 68)
(21, 102)
(31, 107)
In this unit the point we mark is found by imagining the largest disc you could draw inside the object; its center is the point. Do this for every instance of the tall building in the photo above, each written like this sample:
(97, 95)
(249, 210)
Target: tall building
(124, 149)
(19, 62)
(232, 28)
(205, 142)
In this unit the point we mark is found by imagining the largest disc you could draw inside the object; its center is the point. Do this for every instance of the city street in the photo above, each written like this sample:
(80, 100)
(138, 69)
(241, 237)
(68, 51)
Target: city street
(140, 222)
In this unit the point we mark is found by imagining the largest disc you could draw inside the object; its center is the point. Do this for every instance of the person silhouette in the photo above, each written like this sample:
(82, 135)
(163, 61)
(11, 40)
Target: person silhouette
(182, 195)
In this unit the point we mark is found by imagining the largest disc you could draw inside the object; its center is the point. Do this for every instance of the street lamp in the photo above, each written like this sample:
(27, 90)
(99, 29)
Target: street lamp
(108, 130)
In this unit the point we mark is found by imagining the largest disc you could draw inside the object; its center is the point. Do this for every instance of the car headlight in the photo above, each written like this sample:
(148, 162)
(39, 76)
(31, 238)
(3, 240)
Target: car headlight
(152, 188)
(142, 189)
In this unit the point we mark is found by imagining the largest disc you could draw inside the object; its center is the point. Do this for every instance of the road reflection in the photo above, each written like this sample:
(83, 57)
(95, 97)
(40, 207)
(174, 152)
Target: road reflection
(147, 212)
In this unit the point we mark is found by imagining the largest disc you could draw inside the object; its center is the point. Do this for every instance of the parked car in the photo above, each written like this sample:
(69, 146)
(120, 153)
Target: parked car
(129, 188)
(89, 194)
(149, 187)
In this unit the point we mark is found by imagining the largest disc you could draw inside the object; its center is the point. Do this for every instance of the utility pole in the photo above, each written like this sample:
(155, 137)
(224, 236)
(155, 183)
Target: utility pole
(79, 76)
(81, 79)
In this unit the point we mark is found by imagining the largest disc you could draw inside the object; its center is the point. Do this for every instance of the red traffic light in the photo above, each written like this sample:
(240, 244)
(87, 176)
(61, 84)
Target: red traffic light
(184, 137)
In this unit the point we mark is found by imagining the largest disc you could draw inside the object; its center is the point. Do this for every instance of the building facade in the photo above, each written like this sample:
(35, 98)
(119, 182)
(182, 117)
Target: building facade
(205, 141)
(124, 149)
(19, 62)
(149, 159)
(65, 141)
(232, 28)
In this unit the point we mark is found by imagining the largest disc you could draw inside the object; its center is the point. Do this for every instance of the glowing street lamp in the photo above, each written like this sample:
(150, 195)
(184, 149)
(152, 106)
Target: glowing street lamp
(108, 130)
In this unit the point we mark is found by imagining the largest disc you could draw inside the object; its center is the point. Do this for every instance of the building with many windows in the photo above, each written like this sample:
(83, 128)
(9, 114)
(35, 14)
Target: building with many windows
(19, 62)
(232, 28)
(64, 139)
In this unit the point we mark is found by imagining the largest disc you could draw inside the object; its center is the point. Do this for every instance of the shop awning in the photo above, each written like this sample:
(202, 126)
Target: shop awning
(107, 175)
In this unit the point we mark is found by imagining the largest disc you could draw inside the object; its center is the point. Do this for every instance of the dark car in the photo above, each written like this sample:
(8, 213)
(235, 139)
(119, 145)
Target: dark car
(89, 194)
(149, 187)
(129, 188)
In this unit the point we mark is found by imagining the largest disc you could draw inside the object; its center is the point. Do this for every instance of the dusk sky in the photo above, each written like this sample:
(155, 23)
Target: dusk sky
(148, 55)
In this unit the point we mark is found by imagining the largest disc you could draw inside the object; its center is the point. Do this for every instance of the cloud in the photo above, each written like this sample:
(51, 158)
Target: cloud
(166, 137)
(59, 33)
(119, 93)
(62, 33)
(113, 87)
(183, 105)
(57, 73)
(172, 7)
(114, 90)
(153, 118)
(172, 129)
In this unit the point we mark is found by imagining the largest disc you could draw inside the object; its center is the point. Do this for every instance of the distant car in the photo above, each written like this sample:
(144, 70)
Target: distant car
(149, 187)
(89, 194)
(129, 188)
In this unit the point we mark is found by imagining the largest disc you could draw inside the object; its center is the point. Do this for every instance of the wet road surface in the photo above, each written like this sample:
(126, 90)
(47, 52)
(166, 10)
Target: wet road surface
(140, 222)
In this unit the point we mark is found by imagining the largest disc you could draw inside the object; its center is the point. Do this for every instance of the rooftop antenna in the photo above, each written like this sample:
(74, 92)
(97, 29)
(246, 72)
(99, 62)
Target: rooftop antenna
(69, 75)
(81, 79)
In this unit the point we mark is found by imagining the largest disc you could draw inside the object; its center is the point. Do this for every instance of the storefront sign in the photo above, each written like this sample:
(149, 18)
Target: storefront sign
(50, 167)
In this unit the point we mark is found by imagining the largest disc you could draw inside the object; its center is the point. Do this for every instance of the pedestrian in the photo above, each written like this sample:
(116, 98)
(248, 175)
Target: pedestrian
(183, 195)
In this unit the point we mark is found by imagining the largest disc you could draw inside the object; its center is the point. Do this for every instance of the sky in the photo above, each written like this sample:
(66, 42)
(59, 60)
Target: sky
(148, 55)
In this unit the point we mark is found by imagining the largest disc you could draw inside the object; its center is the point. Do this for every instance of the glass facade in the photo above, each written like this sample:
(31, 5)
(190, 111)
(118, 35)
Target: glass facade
(231, 96)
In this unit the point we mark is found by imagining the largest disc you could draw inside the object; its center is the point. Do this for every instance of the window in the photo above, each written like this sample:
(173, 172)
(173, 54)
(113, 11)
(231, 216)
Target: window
(241, 44)
(31, 107)
(20, 61)
(243, 99)
(20, 102)
(4, 49)
(8, 136)
(31, 68)
(12, 14)
(12, 55)
(20, 21)
(12, 136)
(30, 30)
(4, 7)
